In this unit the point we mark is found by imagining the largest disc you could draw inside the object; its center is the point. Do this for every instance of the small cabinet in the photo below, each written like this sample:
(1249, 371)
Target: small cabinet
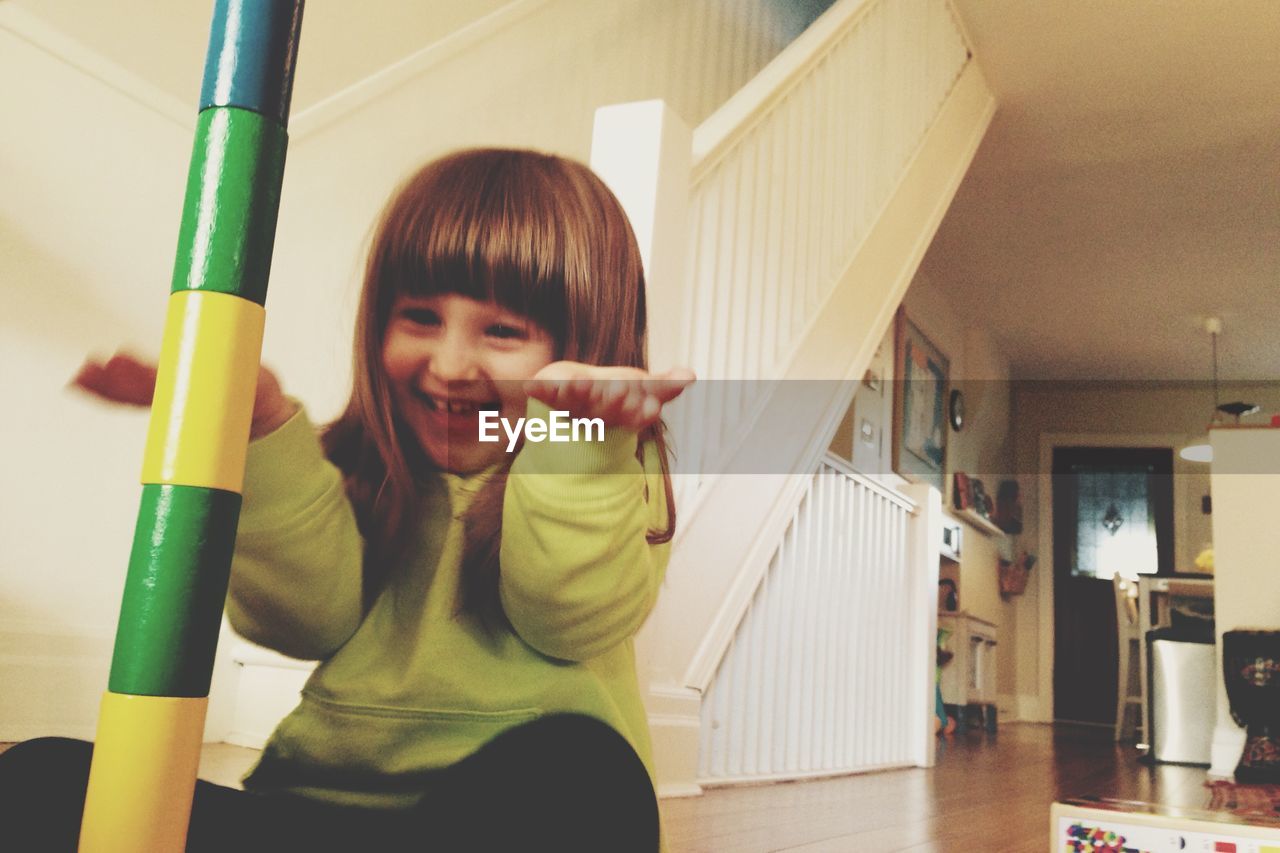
(969, 678)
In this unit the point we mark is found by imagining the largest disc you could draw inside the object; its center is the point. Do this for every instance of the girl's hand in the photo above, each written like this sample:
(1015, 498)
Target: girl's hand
(120, 379)
(131, 381)
(625, 397)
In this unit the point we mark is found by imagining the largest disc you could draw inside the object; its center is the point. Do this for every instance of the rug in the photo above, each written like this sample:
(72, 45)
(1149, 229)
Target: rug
(1244, 800)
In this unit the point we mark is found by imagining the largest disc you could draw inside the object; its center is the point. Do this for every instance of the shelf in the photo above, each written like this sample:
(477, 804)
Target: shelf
(981, 522)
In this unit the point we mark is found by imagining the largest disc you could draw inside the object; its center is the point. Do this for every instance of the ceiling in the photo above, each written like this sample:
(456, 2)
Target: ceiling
(1129, 187)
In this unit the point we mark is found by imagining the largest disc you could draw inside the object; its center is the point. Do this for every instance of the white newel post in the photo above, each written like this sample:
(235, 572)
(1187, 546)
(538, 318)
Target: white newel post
(924, 539)
(642, 151)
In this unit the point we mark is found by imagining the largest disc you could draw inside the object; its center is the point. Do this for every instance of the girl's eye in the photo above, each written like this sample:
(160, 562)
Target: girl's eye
(506, 331)
(421, 316)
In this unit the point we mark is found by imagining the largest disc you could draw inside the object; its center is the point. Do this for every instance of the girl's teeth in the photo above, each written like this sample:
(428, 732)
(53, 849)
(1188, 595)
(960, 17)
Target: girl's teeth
(460, 407)
(456, 407)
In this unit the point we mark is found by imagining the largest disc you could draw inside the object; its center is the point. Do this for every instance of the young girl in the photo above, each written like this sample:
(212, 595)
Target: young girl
(472, 608)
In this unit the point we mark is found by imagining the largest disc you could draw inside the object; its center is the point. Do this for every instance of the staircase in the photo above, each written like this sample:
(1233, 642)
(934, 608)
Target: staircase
(795, 633)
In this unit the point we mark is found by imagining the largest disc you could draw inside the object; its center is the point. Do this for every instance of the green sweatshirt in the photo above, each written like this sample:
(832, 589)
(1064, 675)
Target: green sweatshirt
(411, 685)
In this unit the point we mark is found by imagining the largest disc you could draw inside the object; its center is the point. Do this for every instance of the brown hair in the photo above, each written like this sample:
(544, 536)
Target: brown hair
(539, 235)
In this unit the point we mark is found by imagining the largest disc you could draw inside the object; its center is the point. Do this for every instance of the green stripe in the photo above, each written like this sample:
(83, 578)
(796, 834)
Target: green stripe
(233, 196)
(174, 592)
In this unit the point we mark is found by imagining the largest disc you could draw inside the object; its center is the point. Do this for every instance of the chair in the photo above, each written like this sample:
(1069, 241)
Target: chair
(1129, 631)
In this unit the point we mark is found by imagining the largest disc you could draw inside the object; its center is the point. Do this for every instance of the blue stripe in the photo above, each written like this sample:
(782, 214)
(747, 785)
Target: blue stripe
(253, 45)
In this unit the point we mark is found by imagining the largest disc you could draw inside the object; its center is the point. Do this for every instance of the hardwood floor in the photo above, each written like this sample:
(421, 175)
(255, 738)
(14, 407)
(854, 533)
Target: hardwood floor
(986, 794)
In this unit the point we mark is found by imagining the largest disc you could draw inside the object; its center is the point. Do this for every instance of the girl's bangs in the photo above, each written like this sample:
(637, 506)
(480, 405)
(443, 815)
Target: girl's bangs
(488, 242)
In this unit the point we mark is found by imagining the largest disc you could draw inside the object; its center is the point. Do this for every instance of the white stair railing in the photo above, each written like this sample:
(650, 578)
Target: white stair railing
(821, 675)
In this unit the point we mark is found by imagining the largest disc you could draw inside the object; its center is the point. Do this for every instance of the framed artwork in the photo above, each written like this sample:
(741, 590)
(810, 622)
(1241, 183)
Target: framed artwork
(920, 423)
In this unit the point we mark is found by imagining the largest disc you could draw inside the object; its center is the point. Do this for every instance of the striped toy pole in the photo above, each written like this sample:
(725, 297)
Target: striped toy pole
(152, 716)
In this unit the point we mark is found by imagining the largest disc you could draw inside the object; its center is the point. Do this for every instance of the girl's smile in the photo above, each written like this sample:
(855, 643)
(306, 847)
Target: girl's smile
(448, 357)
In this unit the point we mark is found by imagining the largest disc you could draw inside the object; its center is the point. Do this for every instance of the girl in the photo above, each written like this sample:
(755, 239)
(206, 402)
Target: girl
(472, 609)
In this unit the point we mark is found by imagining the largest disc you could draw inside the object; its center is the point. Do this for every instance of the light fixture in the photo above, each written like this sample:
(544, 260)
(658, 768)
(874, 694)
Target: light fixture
(1202, 451)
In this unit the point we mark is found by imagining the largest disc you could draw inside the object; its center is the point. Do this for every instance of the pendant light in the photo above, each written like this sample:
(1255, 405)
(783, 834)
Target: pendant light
(1202, 451)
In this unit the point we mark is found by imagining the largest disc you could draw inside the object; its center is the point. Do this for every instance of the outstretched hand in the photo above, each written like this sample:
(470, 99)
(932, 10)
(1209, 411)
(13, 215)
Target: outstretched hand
(131, 381)
(625, 397)
(120, 379)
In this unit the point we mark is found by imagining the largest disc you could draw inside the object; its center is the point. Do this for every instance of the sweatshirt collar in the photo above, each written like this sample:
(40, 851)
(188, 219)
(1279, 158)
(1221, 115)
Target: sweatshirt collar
(462, 488)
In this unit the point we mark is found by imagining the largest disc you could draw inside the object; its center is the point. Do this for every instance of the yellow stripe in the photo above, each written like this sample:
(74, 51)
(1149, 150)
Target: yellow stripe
(143, 774)
(204, 391)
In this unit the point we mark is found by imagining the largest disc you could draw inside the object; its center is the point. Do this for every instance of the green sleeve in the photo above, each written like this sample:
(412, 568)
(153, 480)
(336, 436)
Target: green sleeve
(578, 576)
(296, 576)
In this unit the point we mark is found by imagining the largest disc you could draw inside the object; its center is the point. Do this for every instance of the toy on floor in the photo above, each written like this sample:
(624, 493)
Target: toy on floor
(944, 724)
(152, 715)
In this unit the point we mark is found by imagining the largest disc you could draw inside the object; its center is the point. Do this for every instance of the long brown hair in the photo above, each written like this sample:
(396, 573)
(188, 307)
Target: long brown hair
(539, 235)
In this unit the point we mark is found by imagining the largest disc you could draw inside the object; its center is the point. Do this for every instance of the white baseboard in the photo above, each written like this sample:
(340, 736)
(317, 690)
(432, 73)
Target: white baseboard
(53, 680)
(1022, 708)
(1029, 709)
(675, 722)
(267, 689)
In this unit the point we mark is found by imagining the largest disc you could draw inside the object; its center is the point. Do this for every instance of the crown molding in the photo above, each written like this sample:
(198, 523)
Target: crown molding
(35, 31)
(309, 121)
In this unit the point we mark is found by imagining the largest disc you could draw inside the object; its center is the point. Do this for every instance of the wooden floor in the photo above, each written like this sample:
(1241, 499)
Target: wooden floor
(987, 794)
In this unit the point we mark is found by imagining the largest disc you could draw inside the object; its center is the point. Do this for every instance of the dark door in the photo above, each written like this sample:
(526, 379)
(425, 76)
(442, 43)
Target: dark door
(1112, 511)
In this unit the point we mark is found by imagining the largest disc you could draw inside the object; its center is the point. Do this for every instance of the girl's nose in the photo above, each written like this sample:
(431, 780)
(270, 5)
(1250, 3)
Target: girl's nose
(453, 359)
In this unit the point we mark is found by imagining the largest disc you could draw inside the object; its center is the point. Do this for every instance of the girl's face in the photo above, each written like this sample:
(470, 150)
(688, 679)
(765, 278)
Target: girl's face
(447, 357)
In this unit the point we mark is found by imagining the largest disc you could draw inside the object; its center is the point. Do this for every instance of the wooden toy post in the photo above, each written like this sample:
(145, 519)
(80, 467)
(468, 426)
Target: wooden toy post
(152, 716)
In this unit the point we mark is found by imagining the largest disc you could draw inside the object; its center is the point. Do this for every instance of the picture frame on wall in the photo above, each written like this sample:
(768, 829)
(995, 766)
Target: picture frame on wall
(920, 423)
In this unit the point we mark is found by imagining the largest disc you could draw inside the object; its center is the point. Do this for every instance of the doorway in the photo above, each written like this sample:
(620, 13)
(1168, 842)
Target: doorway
(1112, 513)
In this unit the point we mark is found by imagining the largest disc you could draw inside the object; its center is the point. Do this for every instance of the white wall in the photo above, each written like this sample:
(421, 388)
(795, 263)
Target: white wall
(93, 164)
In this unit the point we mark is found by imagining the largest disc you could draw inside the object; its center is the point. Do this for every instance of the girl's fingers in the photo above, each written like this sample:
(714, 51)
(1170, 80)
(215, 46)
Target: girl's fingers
(667, 386)
(630, 400)
(622, 396)
(121, 379)
(651, 409)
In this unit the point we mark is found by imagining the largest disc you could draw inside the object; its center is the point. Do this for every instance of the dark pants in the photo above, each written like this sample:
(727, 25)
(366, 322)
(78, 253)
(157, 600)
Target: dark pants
(563, 783)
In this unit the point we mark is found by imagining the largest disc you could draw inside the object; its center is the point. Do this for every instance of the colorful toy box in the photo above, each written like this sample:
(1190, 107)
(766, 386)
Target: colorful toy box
(1119, 826)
